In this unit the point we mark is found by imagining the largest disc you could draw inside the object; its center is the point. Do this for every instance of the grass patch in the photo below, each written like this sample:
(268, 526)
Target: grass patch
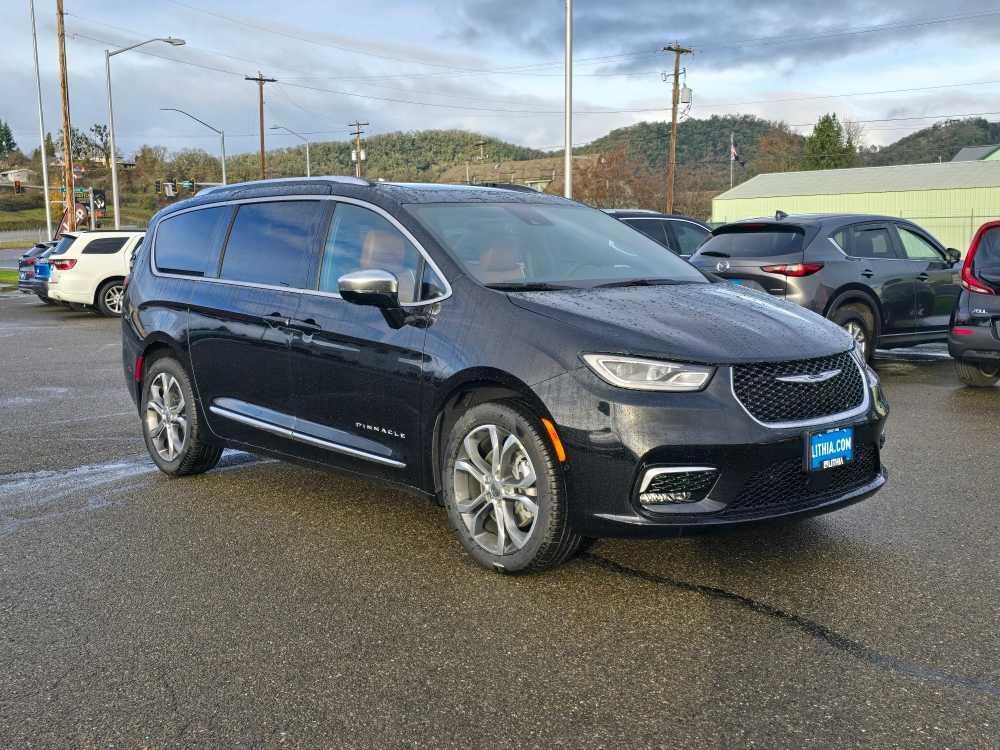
(8, 277)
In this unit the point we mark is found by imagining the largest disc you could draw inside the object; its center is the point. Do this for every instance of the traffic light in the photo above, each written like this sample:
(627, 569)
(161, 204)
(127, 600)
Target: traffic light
(17, 187)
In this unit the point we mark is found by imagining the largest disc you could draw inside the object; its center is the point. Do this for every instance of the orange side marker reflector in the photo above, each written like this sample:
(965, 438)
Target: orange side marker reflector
(556, 442)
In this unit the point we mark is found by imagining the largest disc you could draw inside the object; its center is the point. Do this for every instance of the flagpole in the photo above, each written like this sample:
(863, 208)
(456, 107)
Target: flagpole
(732, 157)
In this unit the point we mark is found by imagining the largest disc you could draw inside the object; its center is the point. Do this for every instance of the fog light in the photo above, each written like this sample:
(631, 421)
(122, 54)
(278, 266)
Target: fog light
(881, 439)
(667, 485)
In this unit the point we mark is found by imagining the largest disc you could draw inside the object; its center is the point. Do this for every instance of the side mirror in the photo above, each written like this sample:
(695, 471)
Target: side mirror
(374, 288)
(953, 255)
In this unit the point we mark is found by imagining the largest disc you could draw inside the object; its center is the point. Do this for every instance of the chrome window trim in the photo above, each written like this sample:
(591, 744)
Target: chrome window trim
(661, 218)
(315, 292)
(303, 438)
(856, 411)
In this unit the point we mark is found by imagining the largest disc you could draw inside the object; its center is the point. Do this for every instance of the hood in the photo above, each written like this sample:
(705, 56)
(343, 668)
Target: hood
(707, 323)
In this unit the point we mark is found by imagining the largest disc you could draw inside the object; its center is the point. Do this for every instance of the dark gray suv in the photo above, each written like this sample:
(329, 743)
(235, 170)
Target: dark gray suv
(885, 280)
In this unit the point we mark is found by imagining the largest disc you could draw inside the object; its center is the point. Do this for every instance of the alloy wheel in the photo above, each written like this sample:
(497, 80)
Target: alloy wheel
(166, 422)
(496, 492)
(114, 296)
(859, 334)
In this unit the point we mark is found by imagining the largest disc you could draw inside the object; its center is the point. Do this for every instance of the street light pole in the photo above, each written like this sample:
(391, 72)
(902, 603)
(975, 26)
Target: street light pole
(108, 54)
(568, 146)
(41, 125)
(220, 131)
(301, 138)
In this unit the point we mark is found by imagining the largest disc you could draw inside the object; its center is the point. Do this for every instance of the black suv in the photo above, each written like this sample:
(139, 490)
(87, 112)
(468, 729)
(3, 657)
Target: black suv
(886, 281)
(974, 341)
(682, 234)
(548, 373)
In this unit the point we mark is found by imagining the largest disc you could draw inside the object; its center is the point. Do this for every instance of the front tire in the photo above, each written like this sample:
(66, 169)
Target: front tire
(504, 490)
(859, 321)
(976, 375)
(174, 434)
(110, 298)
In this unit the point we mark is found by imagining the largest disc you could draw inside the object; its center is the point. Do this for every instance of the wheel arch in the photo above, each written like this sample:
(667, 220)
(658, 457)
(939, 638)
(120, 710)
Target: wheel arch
(854, 293)
(155, 347)
(468, 389)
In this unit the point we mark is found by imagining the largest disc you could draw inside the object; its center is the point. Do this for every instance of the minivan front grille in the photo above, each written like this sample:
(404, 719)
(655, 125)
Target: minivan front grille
(801, 390)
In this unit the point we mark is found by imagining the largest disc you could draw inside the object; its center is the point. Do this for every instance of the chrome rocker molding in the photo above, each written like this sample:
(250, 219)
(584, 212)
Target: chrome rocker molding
(303, 438)
(832, 418)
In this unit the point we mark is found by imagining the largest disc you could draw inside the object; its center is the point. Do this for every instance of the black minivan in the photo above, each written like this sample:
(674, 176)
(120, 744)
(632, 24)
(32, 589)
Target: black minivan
(546, 372)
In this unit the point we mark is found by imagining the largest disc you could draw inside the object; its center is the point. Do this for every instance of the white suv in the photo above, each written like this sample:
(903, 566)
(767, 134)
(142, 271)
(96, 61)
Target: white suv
(92, 270)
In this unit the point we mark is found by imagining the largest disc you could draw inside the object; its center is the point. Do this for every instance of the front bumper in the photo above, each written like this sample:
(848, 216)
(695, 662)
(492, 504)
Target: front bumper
(614, 437)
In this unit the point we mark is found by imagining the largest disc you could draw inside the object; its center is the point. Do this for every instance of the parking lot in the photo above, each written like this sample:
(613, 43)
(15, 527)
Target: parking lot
(264, 604)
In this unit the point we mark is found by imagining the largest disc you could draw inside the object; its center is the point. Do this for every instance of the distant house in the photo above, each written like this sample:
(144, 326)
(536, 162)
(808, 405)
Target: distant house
(21, 174)
(949, 200)
(978, 153)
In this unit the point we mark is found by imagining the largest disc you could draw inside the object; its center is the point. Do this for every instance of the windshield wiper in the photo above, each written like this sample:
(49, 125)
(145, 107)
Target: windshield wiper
(715, 254)
(528, 286)
(638, 282)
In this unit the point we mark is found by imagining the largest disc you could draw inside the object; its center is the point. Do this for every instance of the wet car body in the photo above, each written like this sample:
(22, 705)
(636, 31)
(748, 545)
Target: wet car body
(388, 393)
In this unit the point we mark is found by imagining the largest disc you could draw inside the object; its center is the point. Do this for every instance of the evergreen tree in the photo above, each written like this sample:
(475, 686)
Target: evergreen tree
(828, 147)
(7, 143)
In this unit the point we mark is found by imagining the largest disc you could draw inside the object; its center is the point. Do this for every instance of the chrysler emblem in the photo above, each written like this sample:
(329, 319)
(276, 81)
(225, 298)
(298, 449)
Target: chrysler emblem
(722, 266)
(819, 377)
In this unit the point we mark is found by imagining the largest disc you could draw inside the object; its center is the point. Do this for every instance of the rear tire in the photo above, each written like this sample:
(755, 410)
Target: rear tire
(976, 375)
(174, 433)
(110, 297)
(859, 321)
(504, 490)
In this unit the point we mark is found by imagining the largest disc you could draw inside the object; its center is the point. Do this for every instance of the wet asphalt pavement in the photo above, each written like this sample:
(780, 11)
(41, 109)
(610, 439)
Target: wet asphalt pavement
(266, 605)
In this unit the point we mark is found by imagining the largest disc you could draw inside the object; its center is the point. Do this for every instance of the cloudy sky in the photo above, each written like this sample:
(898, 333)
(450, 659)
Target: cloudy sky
(495, 66)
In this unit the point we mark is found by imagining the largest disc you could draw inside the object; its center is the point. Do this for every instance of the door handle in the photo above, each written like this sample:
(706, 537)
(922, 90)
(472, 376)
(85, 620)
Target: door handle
(868, 273)
(923, 277)
(276, 320)
(305, 326)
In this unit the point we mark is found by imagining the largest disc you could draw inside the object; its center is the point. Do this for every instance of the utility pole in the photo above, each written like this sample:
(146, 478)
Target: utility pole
(358, 155)
(260, 80)
(41, 125)
(67, 131)
(672, 158)
(568, 115)
(732, 157)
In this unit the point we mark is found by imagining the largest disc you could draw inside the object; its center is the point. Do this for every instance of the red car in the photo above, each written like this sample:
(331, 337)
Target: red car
(974, 338)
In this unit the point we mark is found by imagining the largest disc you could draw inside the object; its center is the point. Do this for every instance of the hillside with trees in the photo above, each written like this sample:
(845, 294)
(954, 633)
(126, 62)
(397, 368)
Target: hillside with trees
(940, 141)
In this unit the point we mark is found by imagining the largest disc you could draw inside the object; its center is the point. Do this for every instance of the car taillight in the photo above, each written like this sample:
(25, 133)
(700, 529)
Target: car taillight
(969, 280)
(28, 261)
(793, 269)
(64, 265)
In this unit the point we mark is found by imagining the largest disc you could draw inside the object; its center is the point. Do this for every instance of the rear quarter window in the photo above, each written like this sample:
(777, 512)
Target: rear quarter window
(190, 243)
(754, 241)
(986, 263)
(105, 246)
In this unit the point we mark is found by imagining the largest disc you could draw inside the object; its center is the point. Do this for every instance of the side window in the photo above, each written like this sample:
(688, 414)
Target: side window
(987, 260)
(362, 239)
(105, 246)
(689, 236)
(840, 240)
(273, 243)
(655, 230)
(917, 247)
(872, 241)
(190, 243)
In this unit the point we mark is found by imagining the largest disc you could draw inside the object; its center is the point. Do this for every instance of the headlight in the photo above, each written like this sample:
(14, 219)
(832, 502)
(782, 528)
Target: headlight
(648, 374)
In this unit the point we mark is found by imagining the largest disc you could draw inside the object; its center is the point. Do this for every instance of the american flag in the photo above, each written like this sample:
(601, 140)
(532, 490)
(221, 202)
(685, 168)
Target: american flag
(735, 156)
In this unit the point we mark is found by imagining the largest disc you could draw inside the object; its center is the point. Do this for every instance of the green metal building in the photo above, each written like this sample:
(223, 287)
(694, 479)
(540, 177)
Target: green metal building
(949, 200)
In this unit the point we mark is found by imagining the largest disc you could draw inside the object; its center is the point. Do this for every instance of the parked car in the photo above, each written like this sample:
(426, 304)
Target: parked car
(27, 283)
(974, 339)
(886, 281)
(682, 234)
(91, 270)
(546, 372)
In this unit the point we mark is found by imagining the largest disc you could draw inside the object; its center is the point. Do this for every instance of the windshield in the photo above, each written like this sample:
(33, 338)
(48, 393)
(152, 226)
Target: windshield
(753, 241)
(512, 245)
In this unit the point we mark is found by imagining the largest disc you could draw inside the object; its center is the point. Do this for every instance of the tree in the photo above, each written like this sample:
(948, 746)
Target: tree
(81, 146)
(778, 150)
(101, 141)
(829, 147)
(7, 143)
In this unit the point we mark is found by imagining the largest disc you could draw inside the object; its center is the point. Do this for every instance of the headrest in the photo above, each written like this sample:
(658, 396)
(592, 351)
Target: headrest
(383, 249)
